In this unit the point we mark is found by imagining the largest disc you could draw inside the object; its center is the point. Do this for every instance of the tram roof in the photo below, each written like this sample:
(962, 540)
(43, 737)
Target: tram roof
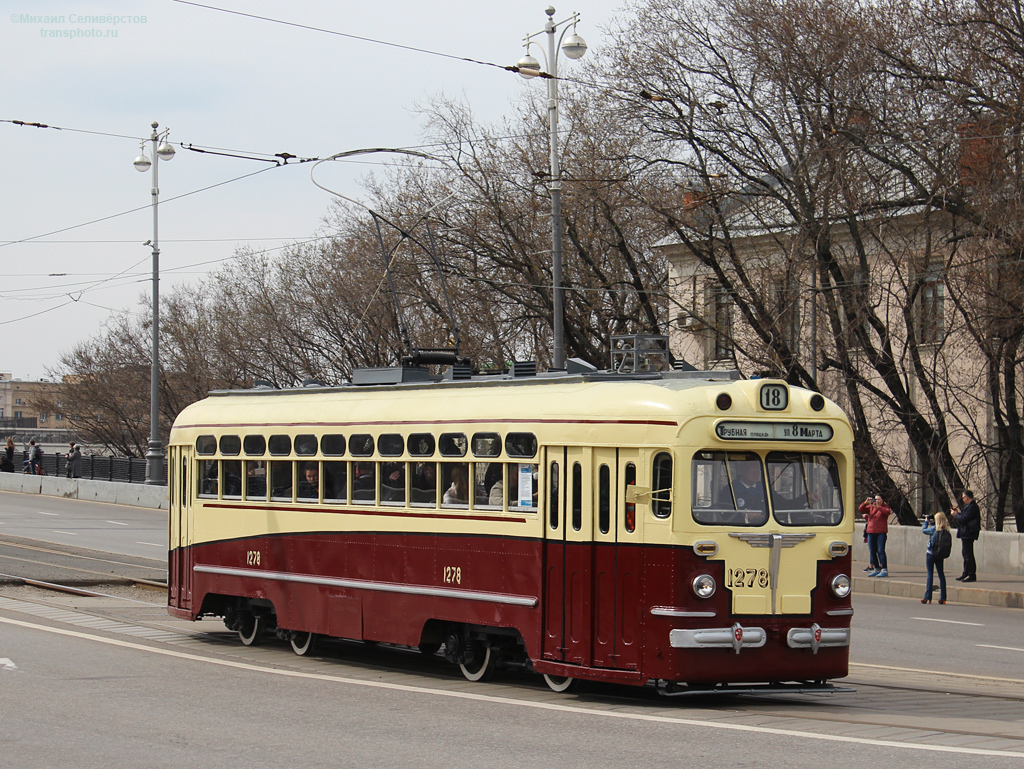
(605, 395)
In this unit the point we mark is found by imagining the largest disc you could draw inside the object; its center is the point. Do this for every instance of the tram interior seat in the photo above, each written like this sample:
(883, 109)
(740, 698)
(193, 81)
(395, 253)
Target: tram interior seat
(424, 496)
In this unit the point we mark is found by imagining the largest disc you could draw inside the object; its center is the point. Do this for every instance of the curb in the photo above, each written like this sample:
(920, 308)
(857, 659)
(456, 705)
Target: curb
(954, 594)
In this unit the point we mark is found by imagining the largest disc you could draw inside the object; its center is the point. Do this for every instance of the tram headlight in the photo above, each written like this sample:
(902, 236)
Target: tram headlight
(840, 586)
(704, 586)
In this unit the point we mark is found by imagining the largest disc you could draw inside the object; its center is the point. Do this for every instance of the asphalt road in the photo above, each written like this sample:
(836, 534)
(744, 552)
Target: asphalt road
(107, 682)
(110, 528)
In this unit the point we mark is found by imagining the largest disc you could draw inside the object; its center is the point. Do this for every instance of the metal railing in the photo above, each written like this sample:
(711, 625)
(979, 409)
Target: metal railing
(94, 467)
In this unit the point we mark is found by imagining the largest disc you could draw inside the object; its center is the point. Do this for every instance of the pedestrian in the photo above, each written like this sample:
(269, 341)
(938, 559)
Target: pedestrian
(7, 461)
(940, 543)
(74, 461)
(968, 528)
(876, 514)
(35, 458)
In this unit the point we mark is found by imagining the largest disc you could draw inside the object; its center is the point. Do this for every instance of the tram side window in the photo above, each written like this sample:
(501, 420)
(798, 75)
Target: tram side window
(604, 506)
(661, 483)
(629, 507)
(206, 444)
(421, 445)
(281, 480)
(231, 470)
(455, 482)
(254, 445)
(308, 488)
(452, 444)
(728, 489)
(230, 445)
(522, 487)
(423, 483)
(392, 482)
(364, 481)
(332, 445)
(255, 478)
(489, 485)
(280, 445)
(805, 489)
(207, 481)
(335, 481)
(577, 496)
(305, 445)
(553, 501)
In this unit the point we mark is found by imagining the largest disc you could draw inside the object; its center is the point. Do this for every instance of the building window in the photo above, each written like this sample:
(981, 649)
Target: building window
(721, 324)
(787, 311)
(932, 310)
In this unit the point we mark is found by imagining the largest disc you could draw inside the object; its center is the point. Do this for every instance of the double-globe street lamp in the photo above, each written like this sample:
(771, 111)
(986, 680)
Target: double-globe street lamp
(574, 47)
(155, 454)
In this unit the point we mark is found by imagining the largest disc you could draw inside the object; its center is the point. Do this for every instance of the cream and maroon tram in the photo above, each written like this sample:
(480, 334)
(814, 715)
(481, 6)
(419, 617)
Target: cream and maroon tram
(691, 529)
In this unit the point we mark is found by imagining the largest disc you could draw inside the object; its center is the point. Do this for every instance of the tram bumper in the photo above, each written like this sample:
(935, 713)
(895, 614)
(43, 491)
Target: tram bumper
(817, 637)
(736, 637)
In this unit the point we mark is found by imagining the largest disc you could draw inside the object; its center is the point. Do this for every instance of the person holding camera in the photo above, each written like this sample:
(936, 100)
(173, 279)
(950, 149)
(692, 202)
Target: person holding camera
(876, 515)
(940, 542)
(968, 529)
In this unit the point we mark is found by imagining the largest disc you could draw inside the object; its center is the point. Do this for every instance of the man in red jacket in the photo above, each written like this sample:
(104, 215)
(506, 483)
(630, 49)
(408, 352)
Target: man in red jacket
(876, 515)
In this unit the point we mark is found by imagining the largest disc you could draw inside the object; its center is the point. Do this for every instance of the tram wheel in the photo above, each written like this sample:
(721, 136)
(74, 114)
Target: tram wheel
(479, 661)
(303, 643)
(561, 684)
(251, 631)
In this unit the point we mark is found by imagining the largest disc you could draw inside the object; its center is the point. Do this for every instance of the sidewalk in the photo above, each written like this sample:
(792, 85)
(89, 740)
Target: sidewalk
(909, 581)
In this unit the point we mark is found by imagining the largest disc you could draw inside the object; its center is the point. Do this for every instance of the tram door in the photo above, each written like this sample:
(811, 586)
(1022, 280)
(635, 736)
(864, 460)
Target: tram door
(592, 600)
(568, 583)
(180, 533)
(616, 561)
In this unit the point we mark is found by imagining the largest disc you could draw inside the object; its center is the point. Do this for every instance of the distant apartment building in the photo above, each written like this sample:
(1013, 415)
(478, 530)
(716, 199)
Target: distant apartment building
(24, 413)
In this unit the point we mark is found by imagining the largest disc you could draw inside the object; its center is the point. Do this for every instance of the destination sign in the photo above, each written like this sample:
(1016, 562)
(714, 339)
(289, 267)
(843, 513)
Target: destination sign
(773, 431)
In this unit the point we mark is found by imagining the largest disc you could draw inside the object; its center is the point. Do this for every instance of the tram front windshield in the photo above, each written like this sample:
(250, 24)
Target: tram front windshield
(736, 489)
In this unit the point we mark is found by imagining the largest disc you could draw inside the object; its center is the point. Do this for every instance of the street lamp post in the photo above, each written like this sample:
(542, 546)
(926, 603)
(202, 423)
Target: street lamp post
(574, 47)
(155, 454)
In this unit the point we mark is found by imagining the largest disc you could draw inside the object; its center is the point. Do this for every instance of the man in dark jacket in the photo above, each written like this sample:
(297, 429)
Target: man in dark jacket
(968, 527)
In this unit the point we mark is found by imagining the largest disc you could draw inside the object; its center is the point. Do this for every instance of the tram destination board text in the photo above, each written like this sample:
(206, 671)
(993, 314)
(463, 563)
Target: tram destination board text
(774, 431)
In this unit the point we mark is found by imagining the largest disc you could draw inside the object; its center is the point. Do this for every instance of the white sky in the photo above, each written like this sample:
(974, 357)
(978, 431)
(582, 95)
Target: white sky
(216, 80)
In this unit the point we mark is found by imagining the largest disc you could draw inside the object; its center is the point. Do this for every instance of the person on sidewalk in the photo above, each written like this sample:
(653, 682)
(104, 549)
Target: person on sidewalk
(74, 461)
(940, 542)
(968, 528)
(876, 514)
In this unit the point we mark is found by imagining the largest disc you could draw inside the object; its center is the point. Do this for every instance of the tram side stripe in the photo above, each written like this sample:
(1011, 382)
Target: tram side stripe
(365, 584)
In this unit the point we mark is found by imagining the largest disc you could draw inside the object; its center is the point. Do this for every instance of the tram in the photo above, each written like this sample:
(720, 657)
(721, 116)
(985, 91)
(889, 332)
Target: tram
(690, 529)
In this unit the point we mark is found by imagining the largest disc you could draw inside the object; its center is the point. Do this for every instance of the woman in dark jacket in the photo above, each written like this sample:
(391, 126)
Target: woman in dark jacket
(7, 462)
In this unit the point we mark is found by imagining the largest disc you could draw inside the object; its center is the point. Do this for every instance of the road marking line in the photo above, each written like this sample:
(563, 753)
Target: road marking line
(40, 512)
(118, 523)
(1004, 648)
(575, 710)
(6, 664)
(151, 544)
(69, 533)
(937, 673)
(949, 621)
